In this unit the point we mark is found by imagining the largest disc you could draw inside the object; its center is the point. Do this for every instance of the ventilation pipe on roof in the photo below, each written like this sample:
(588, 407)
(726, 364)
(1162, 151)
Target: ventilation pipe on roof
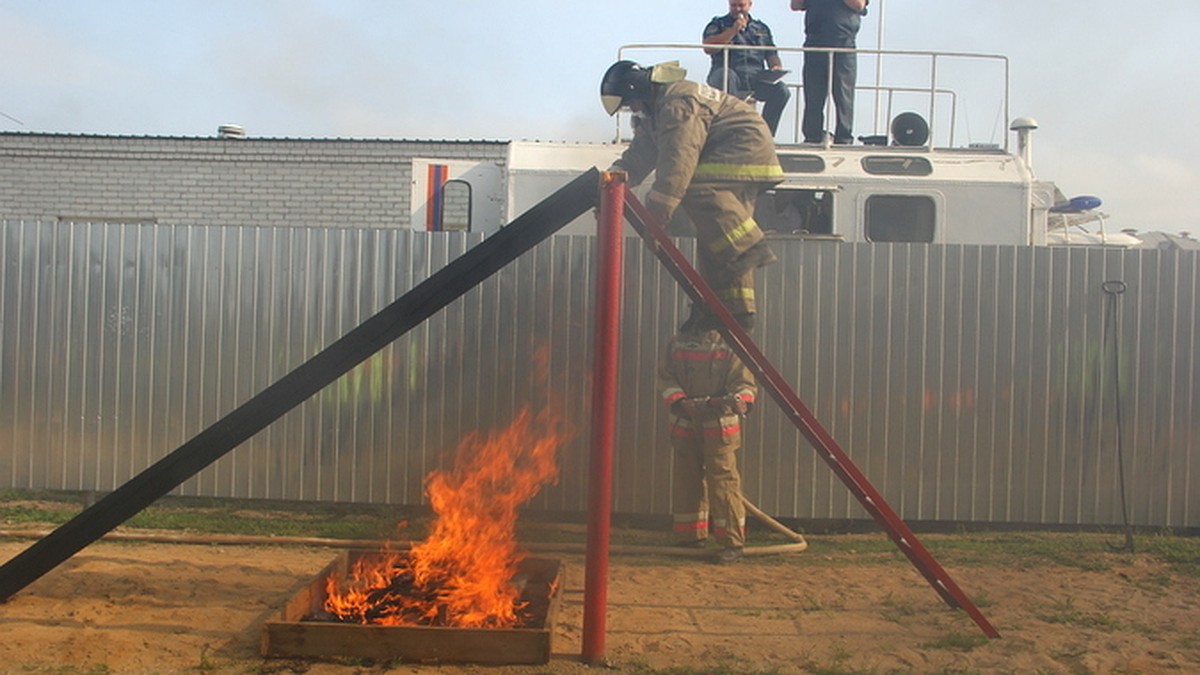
(231, 131)
(1024, 127)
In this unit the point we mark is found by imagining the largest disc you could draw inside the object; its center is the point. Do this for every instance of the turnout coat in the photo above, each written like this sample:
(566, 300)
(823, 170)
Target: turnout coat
(693, 133)
(704, 365)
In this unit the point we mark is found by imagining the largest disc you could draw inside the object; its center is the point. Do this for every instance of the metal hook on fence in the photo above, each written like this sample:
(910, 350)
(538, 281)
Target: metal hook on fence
(1113, 289)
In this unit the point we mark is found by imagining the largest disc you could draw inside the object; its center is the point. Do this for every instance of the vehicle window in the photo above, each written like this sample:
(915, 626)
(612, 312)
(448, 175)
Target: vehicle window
(897, 166)
(900, 218)
(794, 211)
(802, 163)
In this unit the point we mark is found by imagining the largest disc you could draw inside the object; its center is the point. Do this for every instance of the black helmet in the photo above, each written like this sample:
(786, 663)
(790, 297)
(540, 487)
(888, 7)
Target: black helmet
(625, 82)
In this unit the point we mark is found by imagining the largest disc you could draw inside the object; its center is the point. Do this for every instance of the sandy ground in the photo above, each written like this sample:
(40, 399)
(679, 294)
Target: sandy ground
(119, 607)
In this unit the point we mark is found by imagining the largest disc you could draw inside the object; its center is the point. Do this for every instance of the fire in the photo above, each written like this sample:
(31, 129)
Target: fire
(462, 574)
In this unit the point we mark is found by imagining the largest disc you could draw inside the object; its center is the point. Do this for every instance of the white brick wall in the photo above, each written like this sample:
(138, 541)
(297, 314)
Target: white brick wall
(300, 182)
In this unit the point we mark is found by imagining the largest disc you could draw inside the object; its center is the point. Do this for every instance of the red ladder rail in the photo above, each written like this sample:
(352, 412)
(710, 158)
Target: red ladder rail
(698, 290)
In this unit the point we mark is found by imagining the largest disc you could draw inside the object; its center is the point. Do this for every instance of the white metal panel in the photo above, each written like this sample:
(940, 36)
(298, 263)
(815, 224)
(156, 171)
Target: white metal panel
(486, 180)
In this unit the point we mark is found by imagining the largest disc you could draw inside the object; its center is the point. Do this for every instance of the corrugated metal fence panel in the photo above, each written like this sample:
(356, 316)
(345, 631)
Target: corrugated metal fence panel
(976, 383)
(968, 383)
(120, 342)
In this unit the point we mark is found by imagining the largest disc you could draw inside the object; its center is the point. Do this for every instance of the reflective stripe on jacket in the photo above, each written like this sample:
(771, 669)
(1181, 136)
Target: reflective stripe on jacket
(692, 132)
(721, 428)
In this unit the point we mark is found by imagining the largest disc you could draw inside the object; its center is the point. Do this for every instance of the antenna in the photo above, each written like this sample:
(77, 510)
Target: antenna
(4, 114)
(879, 6)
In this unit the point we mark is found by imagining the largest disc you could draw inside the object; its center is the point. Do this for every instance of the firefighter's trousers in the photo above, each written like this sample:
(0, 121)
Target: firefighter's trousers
(723, 214)
(706, 483)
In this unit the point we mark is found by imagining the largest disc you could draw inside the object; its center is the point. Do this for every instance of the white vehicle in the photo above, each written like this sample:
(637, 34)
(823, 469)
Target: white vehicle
(913, 183)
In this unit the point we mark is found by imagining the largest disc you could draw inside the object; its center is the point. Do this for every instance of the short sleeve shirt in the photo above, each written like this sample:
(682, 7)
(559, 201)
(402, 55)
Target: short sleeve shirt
(830, 23)
(756, 33)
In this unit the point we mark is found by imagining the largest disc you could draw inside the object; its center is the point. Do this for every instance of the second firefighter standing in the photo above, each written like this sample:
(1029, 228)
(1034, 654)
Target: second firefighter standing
(708, 391)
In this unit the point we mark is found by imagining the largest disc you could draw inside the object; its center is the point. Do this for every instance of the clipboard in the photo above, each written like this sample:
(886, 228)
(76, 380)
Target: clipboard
(771, 76)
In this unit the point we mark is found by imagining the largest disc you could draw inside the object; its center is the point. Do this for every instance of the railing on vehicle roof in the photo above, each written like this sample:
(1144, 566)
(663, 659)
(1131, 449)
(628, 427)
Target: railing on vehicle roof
(932, 89)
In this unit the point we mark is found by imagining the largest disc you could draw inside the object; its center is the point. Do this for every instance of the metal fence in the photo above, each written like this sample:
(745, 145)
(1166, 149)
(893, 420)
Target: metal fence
(969, 383)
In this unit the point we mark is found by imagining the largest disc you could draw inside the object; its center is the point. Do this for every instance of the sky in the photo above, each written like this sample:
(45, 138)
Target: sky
(1113, 85)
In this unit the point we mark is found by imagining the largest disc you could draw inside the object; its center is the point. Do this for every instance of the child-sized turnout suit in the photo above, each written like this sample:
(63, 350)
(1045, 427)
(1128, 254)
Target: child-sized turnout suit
(708, 390)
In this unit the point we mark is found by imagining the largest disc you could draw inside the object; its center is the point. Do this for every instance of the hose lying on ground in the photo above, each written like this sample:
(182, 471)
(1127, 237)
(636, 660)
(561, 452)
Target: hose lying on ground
(775, 524)
(799, 544)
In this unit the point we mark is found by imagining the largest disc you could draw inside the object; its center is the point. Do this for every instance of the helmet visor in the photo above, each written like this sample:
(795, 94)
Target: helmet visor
(611, 104)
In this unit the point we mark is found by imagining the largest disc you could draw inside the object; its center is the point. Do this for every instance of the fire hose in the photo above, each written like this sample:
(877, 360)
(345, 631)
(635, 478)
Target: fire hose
(798, 542)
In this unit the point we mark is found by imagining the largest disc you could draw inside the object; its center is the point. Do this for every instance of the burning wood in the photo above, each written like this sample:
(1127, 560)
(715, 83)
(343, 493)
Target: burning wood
(463, 574)
(305, 629)
(393, 598)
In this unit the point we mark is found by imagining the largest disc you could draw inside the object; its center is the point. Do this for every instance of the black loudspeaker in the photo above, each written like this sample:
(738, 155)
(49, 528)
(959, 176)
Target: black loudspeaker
(909, 129)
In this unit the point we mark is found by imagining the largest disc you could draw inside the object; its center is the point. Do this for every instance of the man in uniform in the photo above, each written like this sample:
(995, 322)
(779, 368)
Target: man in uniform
(830, 23)
(747, 69)
(707, 390)
(712, 154)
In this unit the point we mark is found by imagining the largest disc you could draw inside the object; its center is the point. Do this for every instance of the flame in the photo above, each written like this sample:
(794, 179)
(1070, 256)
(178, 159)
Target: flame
(462, 574)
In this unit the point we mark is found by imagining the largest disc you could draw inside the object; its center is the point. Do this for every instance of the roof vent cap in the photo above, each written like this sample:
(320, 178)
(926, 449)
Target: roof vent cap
(1023, 124)
(231, 131)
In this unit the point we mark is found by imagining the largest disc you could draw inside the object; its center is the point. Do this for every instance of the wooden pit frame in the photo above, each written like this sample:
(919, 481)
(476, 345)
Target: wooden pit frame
(289, 636)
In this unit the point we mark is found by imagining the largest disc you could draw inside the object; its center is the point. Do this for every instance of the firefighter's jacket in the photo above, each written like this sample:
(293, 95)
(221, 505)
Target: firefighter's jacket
(691, 132)
(698, 366)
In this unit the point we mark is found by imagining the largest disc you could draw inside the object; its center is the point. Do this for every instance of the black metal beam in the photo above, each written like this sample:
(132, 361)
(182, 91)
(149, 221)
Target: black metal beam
(380, 330)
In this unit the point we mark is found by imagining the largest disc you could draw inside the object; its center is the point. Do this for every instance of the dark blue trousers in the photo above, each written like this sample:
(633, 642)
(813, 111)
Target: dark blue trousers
(816, 88)
(743, 83)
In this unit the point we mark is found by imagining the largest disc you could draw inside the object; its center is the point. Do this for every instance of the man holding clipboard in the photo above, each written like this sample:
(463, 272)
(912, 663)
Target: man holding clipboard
(751, 72)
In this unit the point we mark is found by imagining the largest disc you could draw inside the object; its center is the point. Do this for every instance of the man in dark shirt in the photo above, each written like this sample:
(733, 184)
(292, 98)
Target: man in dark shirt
(829, 23)
(746, 72)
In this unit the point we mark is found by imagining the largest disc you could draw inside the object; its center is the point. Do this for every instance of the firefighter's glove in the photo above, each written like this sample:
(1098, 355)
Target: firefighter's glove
(690, 407)
(712, 406)
(737, 404)
(661, 212)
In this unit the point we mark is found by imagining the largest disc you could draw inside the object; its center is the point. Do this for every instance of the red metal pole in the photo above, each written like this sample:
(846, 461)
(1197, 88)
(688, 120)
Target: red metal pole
(604, 412)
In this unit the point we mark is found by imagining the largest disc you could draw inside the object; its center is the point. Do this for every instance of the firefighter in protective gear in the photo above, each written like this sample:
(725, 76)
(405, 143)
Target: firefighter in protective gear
(708, 391)
(713, 155)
